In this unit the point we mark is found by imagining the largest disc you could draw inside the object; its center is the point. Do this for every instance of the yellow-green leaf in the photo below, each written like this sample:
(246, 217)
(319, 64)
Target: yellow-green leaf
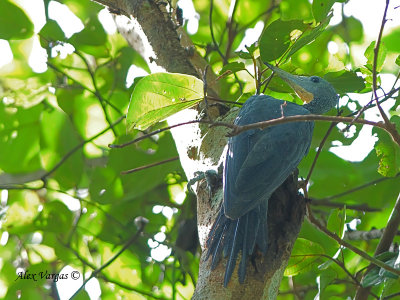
(160, 95)
(304, 254)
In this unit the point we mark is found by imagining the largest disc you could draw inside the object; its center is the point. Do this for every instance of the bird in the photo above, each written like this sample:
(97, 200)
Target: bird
(257, 162)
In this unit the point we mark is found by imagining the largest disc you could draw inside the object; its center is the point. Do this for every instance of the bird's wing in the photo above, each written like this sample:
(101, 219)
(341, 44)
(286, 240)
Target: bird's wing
(258, 161)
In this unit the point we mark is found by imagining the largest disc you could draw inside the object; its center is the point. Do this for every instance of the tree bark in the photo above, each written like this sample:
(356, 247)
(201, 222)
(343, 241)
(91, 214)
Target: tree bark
(286, 211)
(202, 148)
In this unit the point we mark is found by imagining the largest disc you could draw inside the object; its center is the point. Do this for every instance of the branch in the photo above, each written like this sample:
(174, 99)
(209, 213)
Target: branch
(360, 207)
(132, 288)
(55, 68)
(340, 241)
(106, 278)
(363, 186)
(236, 129)
(150, 165)
(321, 145)
(301, 118)
(80, 145)
(389, 233)
(225, 61)
(369, 105)
(112, 259)
(151, 134)
(97, 91)
(391, 128)
(365, 235)
(374, 72)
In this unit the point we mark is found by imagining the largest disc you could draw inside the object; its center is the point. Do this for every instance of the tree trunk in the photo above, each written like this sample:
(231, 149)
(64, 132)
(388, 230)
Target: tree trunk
(202, 148)
(285, 215)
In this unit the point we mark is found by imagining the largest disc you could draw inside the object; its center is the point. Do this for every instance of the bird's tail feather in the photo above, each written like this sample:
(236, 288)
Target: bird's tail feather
(229, 237)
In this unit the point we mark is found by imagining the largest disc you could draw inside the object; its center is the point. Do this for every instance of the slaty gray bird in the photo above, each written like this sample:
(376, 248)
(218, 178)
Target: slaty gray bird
(257, 163)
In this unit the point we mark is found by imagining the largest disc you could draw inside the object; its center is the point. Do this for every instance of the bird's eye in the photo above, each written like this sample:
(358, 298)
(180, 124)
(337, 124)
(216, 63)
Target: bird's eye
(314, 79)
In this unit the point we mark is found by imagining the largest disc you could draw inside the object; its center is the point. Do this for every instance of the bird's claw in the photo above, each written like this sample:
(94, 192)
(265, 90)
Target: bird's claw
(212, 177)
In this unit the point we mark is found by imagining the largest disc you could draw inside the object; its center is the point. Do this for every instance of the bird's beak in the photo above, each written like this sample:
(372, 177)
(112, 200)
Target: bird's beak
(295, 83)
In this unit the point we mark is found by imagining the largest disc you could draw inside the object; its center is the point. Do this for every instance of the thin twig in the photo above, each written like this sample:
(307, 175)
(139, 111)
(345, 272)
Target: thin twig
(375, 62)
(229, 24)
(360, 187)
(21, 187)
(343, 243)
(321, 145)
(151, 134)
(301, 118)
(268, 11)
(205, 90)
(387, 239)
(236, 129)
(150, 165)
(96, 90)
(112, 259)
(224, 101)
(132, 288)
(54, 67)
(391, 296)
(225, 61)
(108, 279)
(327, 203)
(80, 145)
(369, 105)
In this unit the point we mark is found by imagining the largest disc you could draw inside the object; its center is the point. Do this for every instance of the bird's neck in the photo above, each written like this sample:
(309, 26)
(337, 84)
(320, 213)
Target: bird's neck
(316, 107)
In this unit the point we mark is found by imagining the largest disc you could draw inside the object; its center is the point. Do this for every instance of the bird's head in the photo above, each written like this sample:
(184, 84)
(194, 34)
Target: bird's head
(318, 94)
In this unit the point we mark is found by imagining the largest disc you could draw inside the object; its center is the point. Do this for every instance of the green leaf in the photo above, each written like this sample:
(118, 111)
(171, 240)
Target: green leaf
(19, 138)
(296, 9)
(372, 278)
(232, 67)
(141, 182)
(336, 221)
(55, 124)
(304, 254)
(105, 186)
(50, 33)
(350, 30)
(244, 55)
(369, 54)
(55, 217)
(309, 37)
(91, 39)
(275, 39)
(378, 275)
(391, 40)
(391, 262)
(21, 212)
(345, 81)
(321, 8)
(390, 289)
(385, 256)
(398, 60)
(158, 96)
(388, 152)
(14, 23)
(326, 277)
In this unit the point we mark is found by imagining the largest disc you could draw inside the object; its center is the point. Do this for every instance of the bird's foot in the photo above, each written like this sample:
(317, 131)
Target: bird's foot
(212, 177)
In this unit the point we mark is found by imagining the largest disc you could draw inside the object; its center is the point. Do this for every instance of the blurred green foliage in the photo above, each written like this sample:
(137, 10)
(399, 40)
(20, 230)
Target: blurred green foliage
(60, 181)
